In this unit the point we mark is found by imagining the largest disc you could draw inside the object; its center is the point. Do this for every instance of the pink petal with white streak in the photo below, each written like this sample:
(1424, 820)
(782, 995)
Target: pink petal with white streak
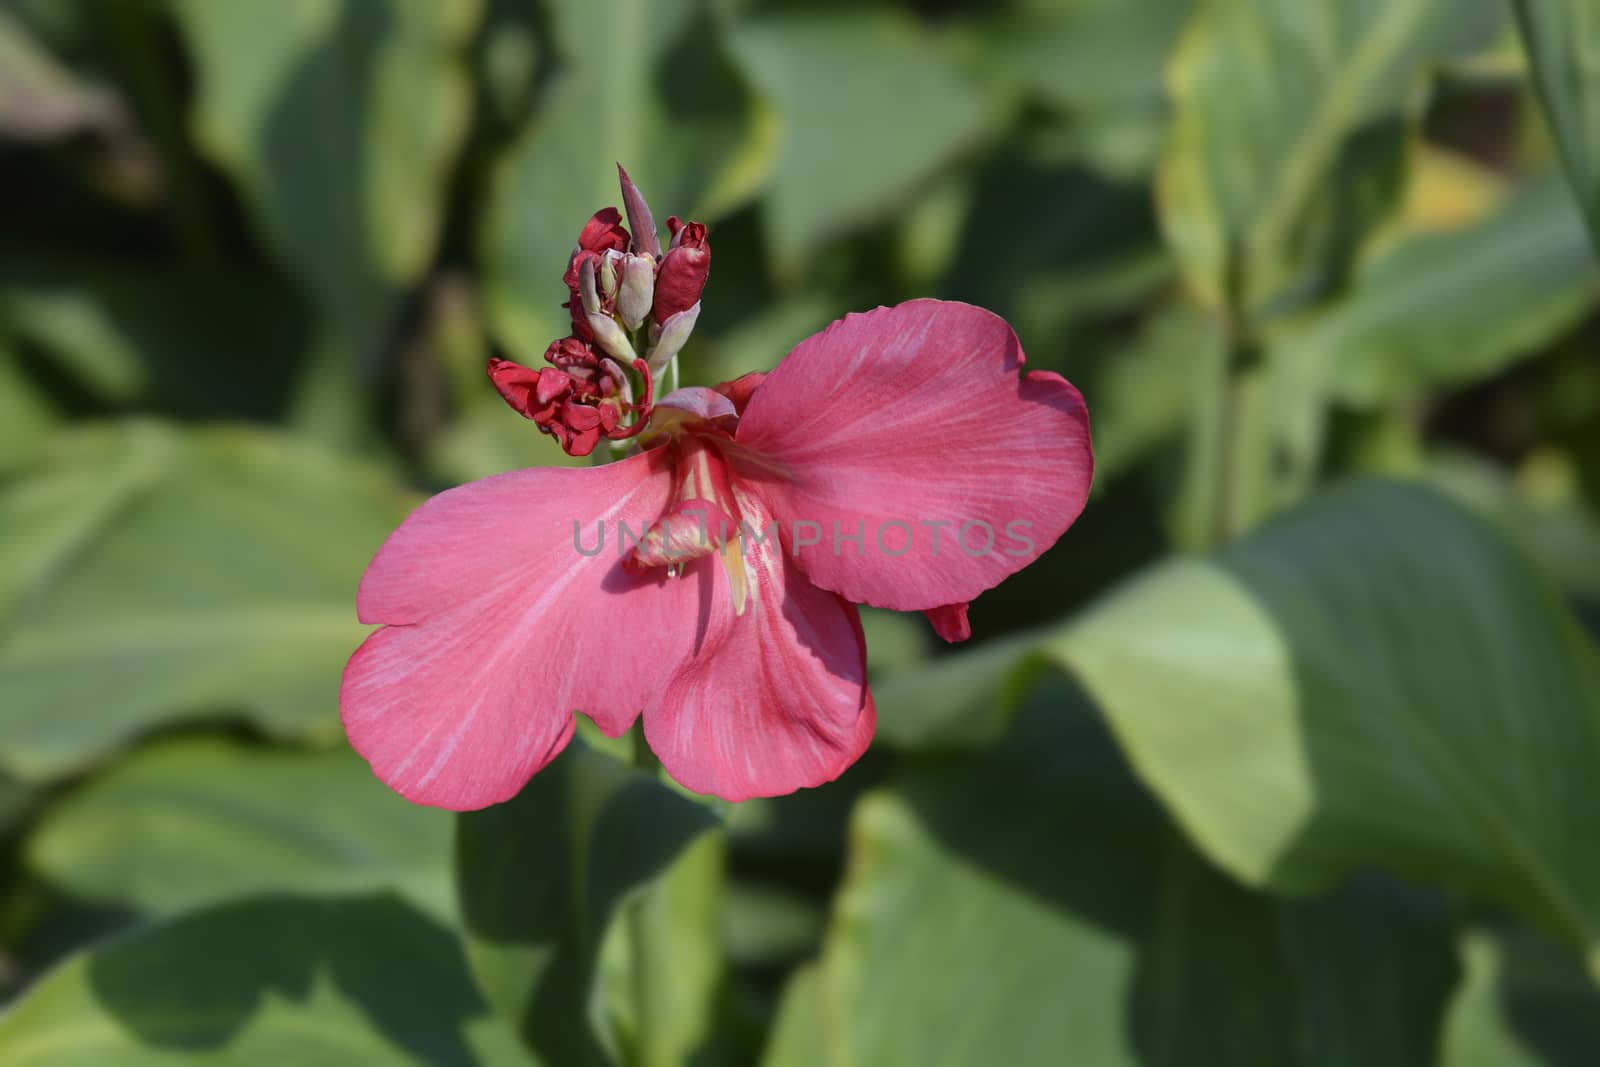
(890, 423)
(498, 629)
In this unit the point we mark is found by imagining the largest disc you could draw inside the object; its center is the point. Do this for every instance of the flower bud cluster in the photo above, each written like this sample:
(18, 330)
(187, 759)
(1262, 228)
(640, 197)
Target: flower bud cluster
(620, 288)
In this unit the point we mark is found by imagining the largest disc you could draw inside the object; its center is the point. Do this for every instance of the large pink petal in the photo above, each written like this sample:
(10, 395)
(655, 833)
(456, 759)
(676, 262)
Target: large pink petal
(770, 701)
(499, 628)
(891, 423)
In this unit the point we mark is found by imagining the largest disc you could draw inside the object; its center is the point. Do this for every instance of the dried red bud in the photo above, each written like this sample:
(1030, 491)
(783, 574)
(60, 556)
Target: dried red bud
(682, 274)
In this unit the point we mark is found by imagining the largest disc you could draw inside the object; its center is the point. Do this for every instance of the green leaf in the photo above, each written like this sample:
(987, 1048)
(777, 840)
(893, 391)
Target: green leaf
(188, 342)
(639, 83)
(264, 983)
(340, 122)
(870, 85)
(1263, 175)
(1443, 309)
(1029, 905)
(190, 822)
(1086, 55)
(149, 574)
(1562, 38)
(542, 880)
(1522, 1003)
(660, 968)
(1374, 680)
(26, 417)
(1551, 523)
(1099, 62)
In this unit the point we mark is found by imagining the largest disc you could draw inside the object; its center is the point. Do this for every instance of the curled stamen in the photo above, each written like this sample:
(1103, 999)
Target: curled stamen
(622, 433)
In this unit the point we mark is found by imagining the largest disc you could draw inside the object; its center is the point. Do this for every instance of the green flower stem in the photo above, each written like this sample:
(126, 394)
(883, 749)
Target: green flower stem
(640, 944)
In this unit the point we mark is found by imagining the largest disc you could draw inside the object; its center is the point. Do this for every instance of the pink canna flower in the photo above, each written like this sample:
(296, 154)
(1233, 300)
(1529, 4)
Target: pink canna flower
(709, 581)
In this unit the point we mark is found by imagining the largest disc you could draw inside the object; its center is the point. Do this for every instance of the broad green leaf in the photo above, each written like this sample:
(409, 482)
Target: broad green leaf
(589, 843)
(1265, 175)
(638, 82)
(660, 968)
(956, 701)
(1374, 680)
(189, 822)
(265, 983)
(188, 342)
(868, 110)
(1562, 38)
(1145, 386)
(340, 122)
(1099, 62)
(1551, 522)
(1442, 309)
(149, 574)
(1030, 905)
(26, 417)
(1085, 55)
(799, 1036)
(1521, 1003)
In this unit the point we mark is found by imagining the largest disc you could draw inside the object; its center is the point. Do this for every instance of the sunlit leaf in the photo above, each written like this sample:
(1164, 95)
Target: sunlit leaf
(190, 822)
(971, 929)
(265, 983)
(149, 574)
(1375, 679)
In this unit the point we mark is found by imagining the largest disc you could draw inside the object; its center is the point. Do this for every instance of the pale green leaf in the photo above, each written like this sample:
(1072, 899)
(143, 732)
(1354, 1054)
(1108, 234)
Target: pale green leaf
(868, 110)
(1444, 309)
(1375, 679)
(151, 574)
(1562, 38)
(189, 822)
(340, 122)
(1522, 1003)
(1029, 905)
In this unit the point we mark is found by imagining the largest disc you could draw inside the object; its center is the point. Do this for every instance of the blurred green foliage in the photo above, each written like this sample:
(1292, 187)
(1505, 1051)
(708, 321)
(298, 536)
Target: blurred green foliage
(1286, 755)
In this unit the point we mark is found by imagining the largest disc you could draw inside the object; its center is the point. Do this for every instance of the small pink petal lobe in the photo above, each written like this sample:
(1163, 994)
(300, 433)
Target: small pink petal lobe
(950, 622)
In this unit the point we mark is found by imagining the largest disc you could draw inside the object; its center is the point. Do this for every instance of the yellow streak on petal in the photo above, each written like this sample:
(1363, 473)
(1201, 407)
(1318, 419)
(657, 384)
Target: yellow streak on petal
(738, 577)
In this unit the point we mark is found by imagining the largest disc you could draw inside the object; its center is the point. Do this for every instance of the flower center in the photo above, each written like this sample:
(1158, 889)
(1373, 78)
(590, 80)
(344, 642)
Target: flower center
(704, 516)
